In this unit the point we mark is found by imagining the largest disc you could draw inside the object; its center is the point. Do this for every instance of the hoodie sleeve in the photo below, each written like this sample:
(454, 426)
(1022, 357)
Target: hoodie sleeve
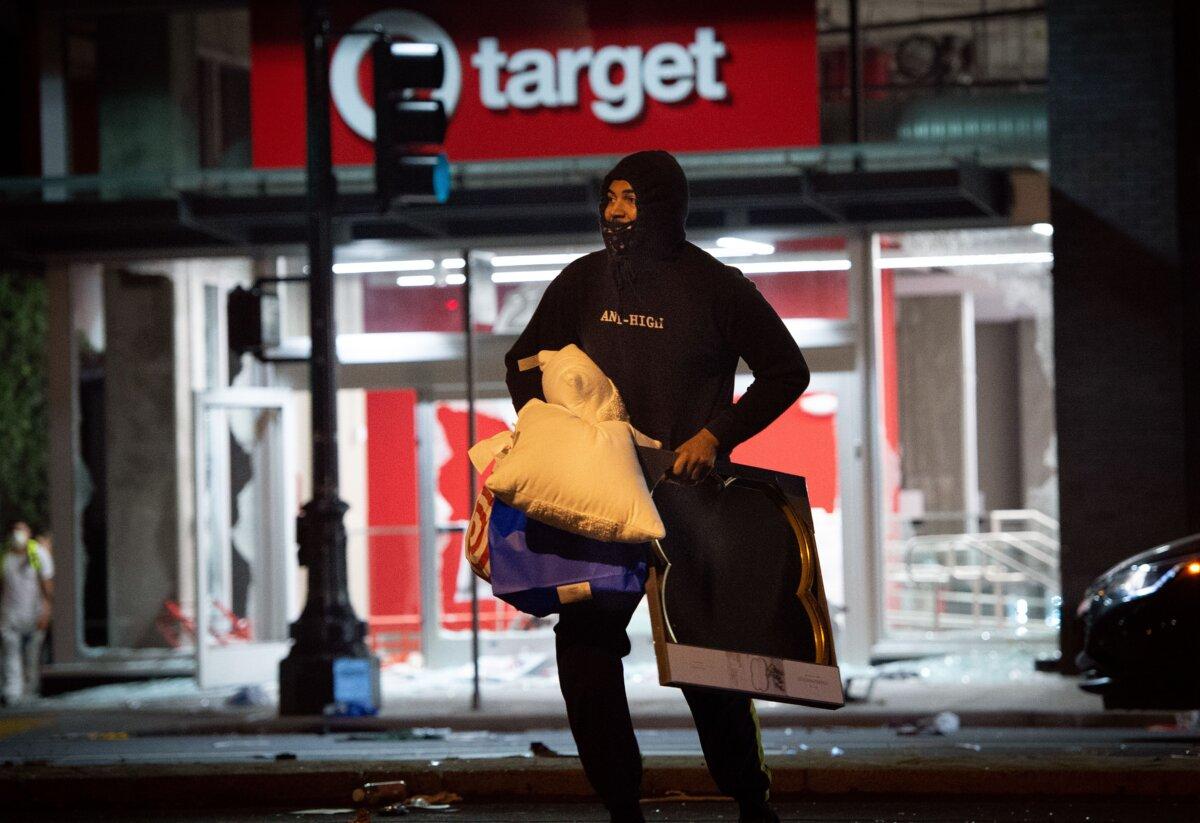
(552, 326)
(754, 331)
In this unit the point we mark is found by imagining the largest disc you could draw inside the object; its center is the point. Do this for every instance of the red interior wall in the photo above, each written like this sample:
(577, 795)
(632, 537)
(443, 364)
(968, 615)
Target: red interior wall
(394, 565)
(802, 444)
(891, 390)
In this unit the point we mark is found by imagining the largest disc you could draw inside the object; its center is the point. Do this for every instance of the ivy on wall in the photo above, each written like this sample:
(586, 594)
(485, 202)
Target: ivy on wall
(23, 420)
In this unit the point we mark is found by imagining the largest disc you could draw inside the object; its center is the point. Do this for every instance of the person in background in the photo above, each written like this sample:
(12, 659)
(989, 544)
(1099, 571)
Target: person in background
(26, 594)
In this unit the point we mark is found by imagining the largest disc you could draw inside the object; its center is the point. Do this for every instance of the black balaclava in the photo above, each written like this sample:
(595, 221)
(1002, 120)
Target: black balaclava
(662, 205)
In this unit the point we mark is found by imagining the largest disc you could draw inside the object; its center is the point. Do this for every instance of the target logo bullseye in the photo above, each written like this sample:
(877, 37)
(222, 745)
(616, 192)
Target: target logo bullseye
(353, 48)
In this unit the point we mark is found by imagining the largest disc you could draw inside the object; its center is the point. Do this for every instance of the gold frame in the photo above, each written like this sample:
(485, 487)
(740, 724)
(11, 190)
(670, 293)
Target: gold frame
(810, 590)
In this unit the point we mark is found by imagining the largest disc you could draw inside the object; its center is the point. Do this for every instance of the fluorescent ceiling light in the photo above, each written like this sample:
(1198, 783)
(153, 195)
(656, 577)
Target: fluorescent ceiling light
(525, 276)
(955, 260)
(416, 280)
(455, 279)
(743, 245)
(1044, 229)
(723, 254)
(453, 263)
(533, 259)
(384, 347)
(738, 247)
(785, 266)
(382, 265)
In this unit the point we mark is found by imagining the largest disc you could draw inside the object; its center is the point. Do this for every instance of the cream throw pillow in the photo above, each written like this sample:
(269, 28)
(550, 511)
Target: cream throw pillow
(578, 476)
(572, 380)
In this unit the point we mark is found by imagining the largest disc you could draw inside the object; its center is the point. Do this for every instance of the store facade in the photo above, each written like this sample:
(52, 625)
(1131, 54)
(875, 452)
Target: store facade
(909, 275)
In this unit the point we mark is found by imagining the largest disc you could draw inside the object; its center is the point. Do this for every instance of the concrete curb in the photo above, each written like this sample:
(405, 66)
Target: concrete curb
(302, 784)
(149, 722)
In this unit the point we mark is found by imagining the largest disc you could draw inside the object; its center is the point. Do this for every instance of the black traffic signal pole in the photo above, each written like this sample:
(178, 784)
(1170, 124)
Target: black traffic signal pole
(327, 630)
(858, 124)
(472, 481)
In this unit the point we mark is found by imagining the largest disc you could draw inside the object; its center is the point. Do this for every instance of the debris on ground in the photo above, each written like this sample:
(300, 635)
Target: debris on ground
(383, 793)
(399, 734)
(249, 696)
(677, 796)
(941, 723)
(440, 802)
(872, 677)
(539, 749)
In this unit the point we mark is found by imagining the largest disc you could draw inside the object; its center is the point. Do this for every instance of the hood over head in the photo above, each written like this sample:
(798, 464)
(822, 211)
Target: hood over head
(662, 204)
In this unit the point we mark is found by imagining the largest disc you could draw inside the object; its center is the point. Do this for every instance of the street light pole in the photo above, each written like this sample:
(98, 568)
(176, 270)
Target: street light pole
(328, 662)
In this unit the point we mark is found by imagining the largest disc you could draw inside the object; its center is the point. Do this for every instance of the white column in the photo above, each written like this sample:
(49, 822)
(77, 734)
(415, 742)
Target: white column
(970, 417)
(352, 453)
(863, 553)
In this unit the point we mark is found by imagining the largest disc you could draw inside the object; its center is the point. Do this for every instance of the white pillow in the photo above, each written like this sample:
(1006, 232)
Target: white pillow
(572, 380)
(578, 476)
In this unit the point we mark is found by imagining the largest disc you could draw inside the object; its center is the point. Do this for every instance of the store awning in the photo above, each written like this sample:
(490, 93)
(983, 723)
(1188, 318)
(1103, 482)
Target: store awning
(831, 187)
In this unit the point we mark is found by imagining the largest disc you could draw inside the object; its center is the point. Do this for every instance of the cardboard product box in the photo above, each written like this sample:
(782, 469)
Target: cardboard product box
(735, 592)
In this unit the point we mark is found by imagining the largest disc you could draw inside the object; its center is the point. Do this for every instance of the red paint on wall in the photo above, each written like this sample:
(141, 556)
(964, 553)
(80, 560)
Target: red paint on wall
(453, 474)
(453, 477)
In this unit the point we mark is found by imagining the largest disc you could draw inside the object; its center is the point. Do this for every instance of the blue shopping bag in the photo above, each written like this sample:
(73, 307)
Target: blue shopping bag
(538, 568)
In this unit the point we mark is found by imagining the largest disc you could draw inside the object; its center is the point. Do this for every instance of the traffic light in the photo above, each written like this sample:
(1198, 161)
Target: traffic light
(409, 124)
(253, 318)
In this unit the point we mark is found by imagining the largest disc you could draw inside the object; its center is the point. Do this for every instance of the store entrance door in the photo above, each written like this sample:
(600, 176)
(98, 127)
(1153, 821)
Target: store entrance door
(246, 565)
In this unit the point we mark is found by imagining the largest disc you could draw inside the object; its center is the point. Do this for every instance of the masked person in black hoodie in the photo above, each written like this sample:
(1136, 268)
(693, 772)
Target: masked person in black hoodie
(667, 323)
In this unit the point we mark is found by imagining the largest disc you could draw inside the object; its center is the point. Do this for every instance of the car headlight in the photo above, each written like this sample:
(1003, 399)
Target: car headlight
(1142, 579)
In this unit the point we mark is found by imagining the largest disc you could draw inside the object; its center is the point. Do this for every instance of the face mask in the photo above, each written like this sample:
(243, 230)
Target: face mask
(617, 236)
(19, 539)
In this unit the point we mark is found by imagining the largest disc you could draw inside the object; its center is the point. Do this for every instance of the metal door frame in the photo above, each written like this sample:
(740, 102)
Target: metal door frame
(214, 665)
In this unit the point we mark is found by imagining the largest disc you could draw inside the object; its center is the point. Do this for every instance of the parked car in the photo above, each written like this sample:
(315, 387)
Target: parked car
(1142, 619)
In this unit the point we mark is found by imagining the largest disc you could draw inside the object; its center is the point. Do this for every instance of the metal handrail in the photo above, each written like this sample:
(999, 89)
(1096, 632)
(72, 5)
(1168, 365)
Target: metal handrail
(979, 542)
(988, 550)
(1025, 541)
(1027, 557)
(998, 516)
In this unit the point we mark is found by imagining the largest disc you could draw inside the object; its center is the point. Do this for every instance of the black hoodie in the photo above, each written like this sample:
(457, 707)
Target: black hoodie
(667, 323)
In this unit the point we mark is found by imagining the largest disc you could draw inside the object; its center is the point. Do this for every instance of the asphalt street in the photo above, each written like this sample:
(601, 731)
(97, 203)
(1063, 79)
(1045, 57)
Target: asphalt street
(899, 810)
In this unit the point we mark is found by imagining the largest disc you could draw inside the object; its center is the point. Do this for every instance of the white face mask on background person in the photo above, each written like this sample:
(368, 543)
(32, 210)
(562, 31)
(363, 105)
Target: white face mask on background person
(20, 538)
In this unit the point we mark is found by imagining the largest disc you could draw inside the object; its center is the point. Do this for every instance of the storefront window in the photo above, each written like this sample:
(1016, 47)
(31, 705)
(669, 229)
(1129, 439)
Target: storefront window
(969, 538)
(972, 535)
(414, 452)
(935, 73)
(414, 313)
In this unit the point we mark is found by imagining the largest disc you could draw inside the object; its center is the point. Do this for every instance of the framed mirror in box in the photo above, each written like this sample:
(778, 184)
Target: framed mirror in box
(735, 592)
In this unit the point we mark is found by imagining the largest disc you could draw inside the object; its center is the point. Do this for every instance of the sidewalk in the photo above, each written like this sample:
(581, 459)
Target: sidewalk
(992, 688)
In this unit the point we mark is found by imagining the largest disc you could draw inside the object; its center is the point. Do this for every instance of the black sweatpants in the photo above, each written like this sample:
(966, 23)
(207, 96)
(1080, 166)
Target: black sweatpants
(590, 643)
